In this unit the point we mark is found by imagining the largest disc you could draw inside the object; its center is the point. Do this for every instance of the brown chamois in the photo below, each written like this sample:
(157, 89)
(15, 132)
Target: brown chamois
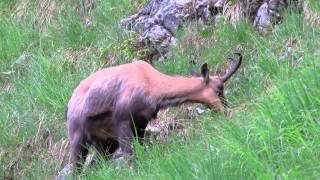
(114, 105)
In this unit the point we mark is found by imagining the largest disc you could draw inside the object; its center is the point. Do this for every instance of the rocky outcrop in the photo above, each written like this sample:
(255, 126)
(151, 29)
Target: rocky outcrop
(270, 12)
(159, 20)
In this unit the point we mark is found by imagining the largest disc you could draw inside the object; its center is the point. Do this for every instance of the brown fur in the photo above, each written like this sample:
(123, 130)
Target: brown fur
(115, 104)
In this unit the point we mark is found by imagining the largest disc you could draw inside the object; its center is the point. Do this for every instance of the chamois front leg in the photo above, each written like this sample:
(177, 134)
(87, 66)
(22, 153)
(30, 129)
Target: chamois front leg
(124, 138)
(139, 128)
(141, 133)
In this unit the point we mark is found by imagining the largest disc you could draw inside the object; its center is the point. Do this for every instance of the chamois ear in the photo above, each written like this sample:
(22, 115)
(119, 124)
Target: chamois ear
(205, 72)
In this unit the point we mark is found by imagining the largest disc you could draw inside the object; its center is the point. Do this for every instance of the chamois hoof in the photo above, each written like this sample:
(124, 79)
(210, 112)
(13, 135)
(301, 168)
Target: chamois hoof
(121, 159)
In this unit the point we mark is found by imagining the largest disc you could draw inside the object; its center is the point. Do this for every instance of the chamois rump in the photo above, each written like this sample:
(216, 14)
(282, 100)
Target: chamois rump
(114, 105)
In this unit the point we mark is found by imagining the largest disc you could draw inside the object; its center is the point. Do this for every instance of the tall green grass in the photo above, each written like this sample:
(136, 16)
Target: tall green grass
(271, 130)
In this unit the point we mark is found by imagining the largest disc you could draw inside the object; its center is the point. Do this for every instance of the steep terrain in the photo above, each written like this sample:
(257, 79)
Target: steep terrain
(271, 130)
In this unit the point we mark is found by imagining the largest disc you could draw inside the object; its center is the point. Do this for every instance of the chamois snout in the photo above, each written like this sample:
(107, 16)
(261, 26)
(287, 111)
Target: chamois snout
(213, 92)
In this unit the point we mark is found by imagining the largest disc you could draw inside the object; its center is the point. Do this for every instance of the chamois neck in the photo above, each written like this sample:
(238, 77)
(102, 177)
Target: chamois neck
(175, 90)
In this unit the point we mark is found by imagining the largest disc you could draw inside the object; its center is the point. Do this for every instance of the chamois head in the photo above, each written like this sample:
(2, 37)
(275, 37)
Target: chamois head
(212, 93)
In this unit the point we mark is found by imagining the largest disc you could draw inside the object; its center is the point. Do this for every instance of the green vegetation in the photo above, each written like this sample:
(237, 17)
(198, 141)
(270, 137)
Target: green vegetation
(272, 130)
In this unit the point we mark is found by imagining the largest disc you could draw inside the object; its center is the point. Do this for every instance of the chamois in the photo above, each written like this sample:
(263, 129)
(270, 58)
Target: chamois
(113, 105)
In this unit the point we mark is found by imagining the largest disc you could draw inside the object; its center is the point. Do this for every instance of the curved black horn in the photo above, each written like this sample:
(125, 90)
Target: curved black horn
(233, 69)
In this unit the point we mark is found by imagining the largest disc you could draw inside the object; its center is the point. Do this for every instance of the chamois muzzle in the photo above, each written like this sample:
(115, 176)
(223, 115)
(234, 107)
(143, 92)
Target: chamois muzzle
(233, 69)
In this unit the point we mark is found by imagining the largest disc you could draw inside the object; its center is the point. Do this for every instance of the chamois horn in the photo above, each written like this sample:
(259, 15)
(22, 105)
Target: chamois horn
(233, 69)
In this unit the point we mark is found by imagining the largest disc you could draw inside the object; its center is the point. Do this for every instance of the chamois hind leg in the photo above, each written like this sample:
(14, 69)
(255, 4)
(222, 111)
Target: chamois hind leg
(79, 151)
(107, 147)
(111, 147)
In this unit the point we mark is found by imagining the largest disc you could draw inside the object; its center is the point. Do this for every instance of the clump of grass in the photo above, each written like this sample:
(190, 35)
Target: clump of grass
(13, 43)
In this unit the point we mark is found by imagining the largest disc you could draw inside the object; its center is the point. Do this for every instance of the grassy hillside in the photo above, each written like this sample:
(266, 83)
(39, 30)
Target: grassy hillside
(272, 130)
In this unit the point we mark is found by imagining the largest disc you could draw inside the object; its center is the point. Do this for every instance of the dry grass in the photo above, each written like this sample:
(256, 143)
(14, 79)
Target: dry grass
(60, 152)
(234, 12)
(76, 56)
(110, 60)
(21, 8)
(45, 12)
(42, 147)
(85, 9)
(171, 121)
(312, 18)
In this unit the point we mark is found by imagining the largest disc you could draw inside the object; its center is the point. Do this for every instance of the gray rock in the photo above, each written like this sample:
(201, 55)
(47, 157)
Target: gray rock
(269, 13)
(158, 39)
(159, 20)
(263, 19)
